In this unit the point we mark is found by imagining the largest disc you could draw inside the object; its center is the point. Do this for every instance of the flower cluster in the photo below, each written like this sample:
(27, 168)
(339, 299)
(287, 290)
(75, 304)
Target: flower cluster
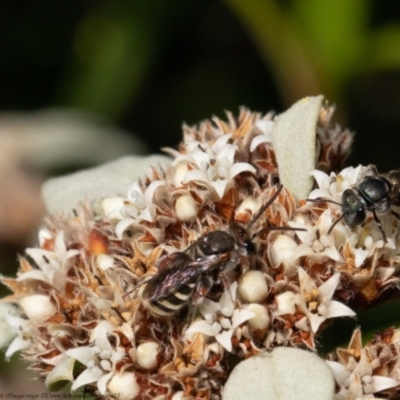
(83, 314)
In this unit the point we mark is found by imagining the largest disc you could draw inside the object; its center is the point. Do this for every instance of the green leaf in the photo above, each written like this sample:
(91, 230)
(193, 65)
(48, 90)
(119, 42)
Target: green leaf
(293, 139)
(60, 375)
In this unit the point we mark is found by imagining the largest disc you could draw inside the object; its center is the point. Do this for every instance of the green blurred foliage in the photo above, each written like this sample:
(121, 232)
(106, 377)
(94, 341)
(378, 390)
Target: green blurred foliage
(149, 65)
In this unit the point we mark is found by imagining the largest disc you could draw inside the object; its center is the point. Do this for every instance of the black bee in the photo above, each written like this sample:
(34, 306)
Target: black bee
(191, 273)
(374, 193)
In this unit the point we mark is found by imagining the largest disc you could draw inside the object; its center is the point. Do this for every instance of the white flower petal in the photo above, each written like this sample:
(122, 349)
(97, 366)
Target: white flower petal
(228, 151)
(89, 375)
(200, 327)
(320, 194)
(208, 306)
(302, 235)
(149, 193)
(240, 316)
(200, 159)
(228, 297)
(265, 126)
(99, 335)
(16, 345)
(40, 256)
(225, 339)
(44, 235)
(337, 309)
(133, 190)
(220, 186)
(34, 275)
(315, 321)
(380, 383)
(195, 175)
(339, 371)
(59, 244)
(102, 383)
(112, 206)
(332, 253)
(327, 289)
(183, 159)
(122, 225)
(359, 256)
(240, 167)
(221, 142)
(83, 354)
(307, 284)
(321, 178)
(147, 214)
(259, 140)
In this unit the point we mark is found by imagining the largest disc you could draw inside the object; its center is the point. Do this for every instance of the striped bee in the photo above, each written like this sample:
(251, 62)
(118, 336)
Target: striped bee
(188, 275)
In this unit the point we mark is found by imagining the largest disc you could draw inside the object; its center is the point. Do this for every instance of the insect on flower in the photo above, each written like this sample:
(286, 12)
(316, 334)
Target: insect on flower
(187, 275)
(373, 193)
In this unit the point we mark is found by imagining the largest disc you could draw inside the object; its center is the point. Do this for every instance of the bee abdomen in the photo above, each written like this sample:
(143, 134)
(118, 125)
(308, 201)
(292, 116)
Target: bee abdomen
(173, 302)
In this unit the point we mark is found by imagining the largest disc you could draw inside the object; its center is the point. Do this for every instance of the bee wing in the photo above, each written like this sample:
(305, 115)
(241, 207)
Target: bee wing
(179, 270)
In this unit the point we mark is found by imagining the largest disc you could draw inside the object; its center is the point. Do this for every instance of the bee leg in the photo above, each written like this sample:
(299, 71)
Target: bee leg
(227, 284)
(379, 223)
(203, 286)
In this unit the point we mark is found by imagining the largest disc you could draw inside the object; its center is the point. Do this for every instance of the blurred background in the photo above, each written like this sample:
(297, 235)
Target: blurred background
(84, 82)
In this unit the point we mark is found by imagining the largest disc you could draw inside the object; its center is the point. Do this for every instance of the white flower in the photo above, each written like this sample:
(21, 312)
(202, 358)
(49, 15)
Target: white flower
(220, 319)
(53, 264)
(317, 302)
(138, 205)
(14, 329)
(265, 127)
(358, 381)
(315, 239)
(100, 358)
(214, 164)
(331, 187)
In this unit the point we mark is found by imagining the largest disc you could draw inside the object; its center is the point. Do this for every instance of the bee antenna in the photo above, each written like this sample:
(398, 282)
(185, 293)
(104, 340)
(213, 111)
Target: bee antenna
(320, 199)
(335, 223)
(265, 206)
(277, 228)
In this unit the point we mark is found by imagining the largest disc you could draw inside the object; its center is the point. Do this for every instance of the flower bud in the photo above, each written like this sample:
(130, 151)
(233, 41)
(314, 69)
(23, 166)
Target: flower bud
(124, 386)
(186, 208)
(146, 355)
(37, 307)
(281, 252)
(253, 287)
(261, 320)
